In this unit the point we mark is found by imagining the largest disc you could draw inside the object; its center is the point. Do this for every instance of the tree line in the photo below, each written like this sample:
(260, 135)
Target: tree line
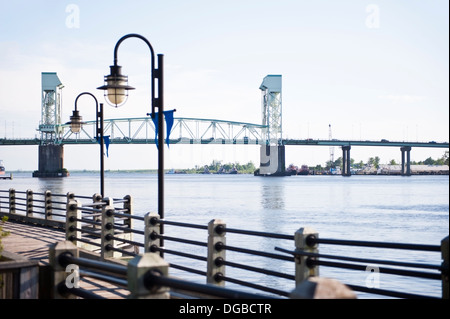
(375, 161)
(249, 168)
(217, 166)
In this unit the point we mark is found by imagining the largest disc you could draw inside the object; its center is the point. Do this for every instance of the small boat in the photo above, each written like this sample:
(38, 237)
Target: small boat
(292, 169)
(304, 170)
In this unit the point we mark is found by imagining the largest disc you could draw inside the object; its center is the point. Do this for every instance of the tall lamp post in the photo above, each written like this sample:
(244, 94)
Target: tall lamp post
(75, 126)
(116, 91)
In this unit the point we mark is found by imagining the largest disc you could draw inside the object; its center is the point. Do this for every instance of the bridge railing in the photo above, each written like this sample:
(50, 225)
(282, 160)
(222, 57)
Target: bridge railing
(218, 253)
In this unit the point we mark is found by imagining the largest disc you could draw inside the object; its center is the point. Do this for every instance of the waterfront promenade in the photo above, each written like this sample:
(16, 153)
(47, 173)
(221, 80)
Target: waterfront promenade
(103, 229)
(33, 243)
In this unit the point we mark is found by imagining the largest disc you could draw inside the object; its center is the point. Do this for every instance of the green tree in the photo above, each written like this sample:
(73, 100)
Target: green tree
(445, 158)
(375, 161)
(338, 162)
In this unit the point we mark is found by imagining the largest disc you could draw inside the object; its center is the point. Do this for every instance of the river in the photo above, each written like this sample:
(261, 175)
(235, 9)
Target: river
(399, 209)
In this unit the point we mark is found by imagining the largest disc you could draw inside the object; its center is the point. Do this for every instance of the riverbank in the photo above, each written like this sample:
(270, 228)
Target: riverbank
(193, 171)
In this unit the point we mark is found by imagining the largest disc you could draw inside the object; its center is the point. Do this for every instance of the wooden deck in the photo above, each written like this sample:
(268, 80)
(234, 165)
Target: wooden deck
(33, 242)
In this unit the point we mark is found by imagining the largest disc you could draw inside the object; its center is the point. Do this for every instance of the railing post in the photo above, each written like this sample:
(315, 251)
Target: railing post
(12, 201)
(302, 244)
(73, 220)
(70, 196)
(216, 239)
(136, 273)
(151, 231)
(59, 273)
(445, 251)
(107, 240)
(97, 198)
(29, 203)
(48, 205)
(128, 207)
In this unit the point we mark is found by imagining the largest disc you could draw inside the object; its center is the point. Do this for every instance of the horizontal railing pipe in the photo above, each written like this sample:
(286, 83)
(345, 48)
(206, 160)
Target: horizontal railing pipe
(66, 259)
(154, 278)
(377, 244)
(256, 233)
(98, 275)
(255, 286)
(362, 260)
(178, 253)
(392, 271)
(128, 215)
(255, 252)
(166, 222)
(389, 293)
(255, 269)
(181, 240)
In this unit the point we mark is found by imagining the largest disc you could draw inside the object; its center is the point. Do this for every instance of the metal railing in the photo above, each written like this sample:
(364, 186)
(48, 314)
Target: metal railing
(107, 226)
(145, 276)
(376, 266)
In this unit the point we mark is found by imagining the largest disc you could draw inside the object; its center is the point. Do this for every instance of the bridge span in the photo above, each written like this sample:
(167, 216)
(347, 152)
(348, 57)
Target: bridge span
(211, 131)
(141, 130)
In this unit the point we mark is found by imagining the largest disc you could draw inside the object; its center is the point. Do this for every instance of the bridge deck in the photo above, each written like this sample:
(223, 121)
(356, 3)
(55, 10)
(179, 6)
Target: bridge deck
(33, 242)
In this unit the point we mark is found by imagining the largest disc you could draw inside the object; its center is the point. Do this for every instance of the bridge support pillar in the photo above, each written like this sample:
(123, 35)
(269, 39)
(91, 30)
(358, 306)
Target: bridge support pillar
(51, 158)
(272, 161)
(406, 164)
(346, 160)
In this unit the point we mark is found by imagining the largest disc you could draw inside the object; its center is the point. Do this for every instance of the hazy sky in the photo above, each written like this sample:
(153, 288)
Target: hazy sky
(372, 69)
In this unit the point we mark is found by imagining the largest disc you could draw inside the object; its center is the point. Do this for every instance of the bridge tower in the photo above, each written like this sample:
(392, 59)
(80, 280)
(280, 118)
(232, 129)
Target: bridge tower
(51, 155)
(271, 108)
(272, 154)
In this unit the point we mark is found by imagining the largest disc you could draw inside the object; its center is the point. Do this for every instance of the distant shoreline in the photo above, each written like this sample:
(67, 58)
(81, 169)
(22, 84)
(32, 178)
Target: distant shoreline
(190, 172)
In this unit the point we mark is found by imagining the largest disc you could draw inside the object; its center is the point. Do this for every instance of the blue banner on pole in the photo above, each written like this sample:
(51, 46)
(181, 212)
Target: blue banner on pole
(106, 140)
(168, 116)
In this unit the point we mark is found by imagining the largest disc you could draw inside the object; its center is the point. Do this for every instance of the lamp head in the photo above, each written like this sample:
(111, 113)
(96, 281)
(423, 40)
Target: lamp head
(75, 122)
(116, 87)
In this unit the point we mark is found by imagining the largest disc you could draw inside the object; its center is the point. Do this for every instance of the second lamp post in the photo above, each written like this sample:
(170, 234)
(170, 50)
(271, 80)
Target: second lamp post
(75, 126)
(116, 91)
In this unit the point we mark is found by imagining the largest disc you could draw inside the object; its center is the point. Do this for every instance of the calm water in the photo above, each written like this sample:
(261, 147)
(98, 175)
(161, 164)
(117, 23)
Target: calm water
(376, 208)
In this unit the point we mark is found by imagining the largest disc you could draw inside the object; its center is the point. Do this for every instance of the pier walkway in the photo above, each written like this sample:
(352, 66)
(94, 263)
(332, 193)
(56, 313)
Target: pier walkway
(33, 243)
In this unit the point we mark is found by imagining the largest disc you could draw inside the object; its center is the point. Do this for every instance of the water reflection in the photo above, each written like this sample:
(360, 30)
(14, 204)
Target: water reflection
(55, 185)
(273, 196)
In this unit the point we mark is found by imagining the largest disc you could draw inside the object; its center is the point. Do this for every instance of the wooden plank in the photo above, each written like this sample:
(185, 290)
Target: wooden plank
(30, 241)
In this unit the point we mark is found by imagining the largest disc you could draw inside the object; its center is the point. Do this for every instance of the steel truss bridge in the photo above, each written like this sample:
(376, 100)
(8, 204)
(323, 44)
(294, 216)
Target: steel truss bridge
(141, 130)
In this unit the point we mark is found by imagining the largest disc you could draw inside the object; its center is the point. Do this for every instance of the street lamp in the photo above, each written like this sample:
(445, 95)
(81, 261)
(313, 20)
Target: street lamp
(76, 125)
(116, 91)
(116, 87)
